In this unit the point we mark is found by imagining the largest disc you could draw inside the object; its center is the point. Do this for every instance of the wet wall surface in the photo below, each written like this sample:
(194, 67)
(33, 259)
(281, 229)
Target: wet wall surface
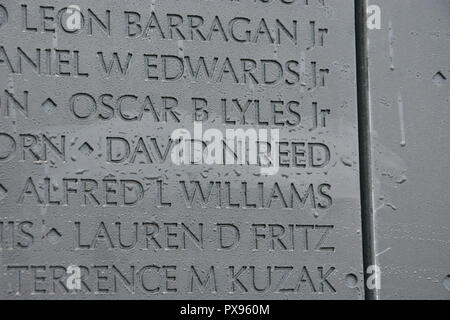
(210, 150)
(409, 106)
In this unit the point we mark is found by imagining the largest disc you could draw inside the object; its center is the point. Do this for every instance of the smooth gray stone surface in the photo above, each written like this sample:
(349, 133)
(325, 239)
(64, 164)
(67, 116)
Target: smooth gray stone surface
(55, 225)
(409, 71)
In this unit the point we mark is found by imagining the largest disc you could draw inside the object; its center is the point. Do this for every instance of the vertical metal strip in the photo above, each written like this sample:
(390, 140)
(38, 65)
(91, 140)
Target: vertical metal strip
(368, 227)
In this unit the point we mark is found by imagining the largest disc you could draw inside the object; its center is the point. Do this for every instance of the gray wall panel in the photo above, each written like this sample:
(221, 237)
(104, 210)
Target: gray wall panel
(409, 70)
(326, 260)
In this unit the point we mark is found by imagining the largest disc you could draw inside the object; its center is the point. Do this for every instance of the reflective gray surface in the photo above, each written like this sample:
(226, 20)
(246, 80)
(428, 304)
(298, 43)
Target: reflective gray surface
(86, 181)
(409, 101)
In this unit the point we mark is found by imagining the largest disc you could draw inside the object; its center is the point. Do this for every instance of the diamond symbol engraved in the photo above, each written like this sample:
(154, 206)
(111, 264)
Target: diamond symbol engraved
(49, 105)
(53, 236)
(86, 149)
(439, 78)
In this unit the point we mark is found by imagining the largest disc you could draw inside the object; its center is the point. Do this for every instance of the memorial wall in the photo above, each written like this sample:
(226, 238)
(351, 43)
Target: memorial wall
(209, 150)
